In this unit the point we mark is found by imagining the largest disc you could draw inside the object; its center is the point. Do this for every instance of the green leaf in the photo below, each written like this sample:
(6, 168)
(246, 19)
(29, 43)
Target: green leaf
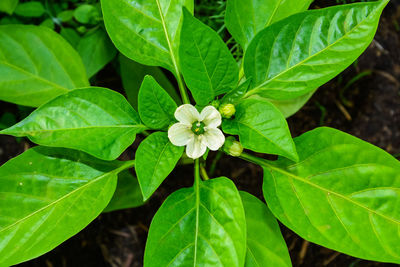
(47, 196)
(156, 157)
(32, 9)
(36, 65)
(202, 225)
(127, 195)
(262, 128)
(235, 95)
(291, 106)
(156, 107)
(95, 120)
(297, 55)
(146, 31)
(96, 50)
(8, 6)
(87, 14)
(65, 15)
(245, 18)
(265, 244)
(133, 73)
(207, 65)
(71, 35)
(344, 194)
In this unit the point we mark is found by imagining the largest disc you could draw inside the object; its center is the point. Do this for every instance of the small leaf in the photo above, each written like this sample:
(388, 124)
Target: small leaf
(207, 65)
(87, 14)
(95, 120)
(298, 54)
(133, 73)
(47, 196)
(245, 18)
(199, 226)
(156, 107)
(8, 6)
(32, 9)
(344, 194)
(127, 195)
(36, 65)
(146, 31)
(262, 128)
(265, 244)
(96, 50)
(156, 157)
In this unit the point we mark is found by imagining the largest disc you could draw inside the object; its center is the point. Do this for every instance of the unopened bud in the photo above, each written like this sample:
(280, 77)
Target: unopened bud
(233, 147)
(227, 110)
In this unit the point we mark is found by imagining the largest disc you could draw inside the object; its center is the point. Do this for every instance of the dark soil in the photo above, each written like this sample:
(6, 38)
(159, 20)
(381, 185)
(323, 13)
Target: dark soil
(369, 108)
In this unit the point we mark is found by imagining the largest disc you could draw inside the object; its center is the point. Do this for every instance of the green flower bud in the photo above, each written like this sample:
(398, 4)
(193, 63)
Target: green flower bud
(227, 110)
(215, 103)
(232, 147)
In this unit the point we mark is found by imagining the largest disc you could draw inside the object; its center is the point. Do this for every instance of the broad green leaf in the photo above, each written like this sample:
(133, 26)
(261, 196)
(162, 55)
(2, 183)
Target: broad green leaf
(133, 73)
(156, 157)
(65, 15)
(235, 95)
(146, 31)
(344, 194)
(199, 226)
(36, 65)
(31, 9)
(8, 6)
(96, 50)
(265, 244)
(95, 120)
(245, 18)
(127, 195)
(87, 14)
(71, 35)
(262, 128)
(47, 196)
(298, 54)
(206, 63)
(291, 106)
(156, 107)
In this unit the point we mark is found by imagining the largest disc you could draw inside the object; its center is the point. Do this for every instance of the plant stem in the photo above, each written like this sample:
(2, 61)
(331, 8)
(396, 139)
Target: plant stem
(203, 173)
(182, 88)
(214, 163)
(196, 172)
(254, 159)
(126, 165)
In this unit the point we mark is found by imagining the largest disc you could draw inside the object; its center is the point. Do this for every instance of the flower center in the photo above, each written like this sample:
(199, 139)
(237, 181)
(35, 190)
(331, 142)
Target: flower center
(198, 127)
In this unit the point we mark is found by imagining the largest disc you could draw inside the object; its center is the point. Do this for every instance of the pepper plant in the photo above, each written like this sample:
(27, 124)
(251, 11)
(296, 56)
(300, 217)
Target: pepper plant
(329, 187)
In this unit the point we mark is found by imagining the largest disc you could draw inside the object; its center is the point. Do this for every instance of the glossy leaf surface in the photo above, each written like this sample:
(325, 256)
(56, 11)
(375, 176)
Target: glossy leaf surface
(343, 194)
(262, 128)
(146, 31)
(297, 55)
(44, 199)
(132, 75)
(96, 50)
(95, 120)
(156, 157)
(207, 65)
(289, 107)
(36, 65)
(127, 195)
(245, 18)
(265, 244)
(156, 107)
(199, 226)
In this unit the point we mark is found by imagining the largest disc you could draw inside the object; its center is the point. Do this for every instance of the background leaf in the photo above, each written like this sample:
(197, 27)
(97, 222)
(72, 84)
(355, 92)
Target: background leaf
(127, 195)
(44, 199)
(96, 50)
(156, 157)
(31, 9)
(343, 194)
(297, 55)
(289, 107)
(8, 6)
(207, 65)
(36, 65)
(262, 128)
(245, 18)
(156, 107)
(95, 120)
(146, 31)
(199, 226)
(133, 73)
(265, 244)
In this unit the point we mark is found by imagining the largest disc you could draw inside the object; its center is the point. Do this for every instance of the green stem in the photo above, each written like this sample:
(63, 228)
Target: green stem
(196, 188)
(214, 163)
(182, 88)
(126, 165)
(203, 173)
(257, 160)
(196, 172)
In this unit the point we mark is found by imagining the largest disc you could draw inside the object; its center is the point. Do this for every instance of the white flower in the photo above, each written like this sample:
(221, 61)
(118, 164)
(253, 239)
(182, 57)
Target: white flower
(196, 130)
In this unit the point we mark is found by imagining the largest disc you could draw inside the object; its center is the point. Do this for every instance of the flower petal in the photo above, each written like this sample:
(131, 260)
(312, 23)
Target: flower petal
(213, 138)
(180, 134)
(210, 117)
(187, 114)
(196, 147)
